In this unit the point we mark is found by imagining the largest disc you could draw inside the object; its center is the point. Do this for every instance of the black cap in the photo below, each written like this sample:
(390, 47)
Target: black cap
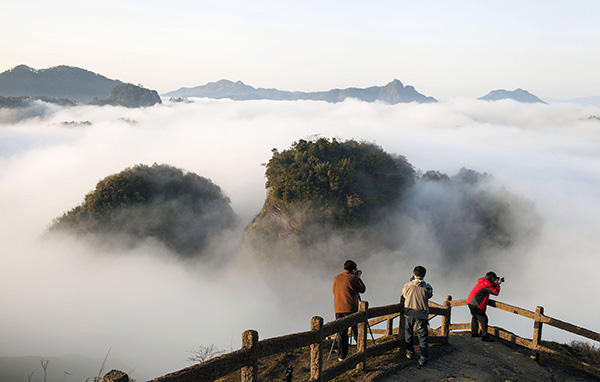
(350, 265)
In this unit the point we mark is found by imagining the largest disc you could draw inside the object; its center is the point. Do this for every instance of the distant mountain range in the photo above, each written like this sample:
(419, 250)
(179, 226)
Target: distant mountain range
(519, 95)
(66, 85)
(58, 82)
(392, 93)
(22, 85)
(584, 101)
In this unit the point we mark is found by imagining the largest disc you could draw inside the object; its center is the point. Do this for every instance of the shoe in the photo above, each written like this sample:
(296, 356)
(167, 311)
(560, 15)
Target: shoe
(487, 339)
(409, 355)
(341, 359)
(421, 363)
(474, 335)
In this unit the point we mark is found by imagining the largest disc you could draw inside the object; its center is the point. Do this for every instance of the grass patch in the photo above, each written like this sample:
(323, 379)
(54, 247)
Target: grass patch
(583, 351)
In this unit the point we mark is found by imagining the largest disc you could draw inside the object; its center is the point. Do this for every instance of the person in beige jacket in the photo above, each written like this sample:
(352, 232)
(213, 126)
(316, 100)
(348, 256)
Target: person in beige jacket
(416, 295)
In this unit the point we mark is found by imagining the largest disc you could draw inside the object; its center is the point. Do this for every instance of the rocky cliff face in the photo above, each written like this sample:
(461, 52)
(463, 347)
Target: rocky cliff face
(322, 188)
(129, 95)
(329, 200)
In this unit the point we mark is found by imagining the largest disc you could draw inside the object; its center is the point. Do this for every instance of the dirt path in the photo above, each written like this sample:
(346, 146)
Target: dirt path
(470, 359)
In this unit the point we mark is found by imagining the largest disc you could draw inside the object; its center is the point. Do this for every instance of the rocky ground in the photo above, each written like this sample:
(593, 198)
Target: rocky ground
(464, 359)
(470, 359)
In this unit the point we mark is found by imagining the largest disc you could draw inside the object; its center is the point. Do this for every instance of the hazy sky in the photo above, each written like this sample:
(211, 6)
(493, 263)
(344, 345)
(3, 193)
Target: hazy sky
(445, 49)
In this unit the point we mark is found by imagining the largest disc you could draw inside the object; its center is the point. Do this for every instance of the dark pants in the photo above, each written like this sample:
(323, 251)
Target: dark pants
(478, 315)
(422, 335)
(343, 337)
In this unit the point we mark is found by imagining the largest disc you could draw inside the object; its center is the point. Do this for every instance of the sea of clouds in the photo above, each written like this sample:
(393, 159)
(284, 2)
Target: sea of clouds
(59, 296)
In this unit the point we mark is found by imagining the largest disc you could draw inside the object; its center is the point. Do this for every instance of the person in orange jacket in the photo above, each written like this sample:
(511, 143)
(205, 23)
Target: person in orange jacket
(478, 300)
(346, 287)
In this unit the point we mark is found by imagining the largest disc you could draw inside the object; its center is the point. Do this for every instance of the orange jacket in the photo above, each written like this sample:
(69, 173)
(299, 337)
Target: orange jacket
(346, 288)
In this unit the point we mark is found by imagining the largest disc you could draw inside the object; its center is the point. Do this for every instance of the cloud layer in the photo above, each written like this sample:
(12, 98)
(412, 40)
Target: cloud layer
(63, 297)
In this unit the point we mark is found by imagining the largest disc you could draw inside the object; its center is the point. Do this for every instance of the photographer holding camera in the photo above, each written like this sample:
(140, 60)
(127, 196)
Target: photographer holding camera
(346, 287)
(478, 301)
(416, 295)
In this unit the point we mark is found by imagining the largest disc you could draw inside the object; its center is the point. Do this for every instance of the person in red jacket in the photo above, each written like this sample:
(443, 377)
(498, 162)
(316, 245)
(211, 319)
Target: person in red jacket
(478, 300)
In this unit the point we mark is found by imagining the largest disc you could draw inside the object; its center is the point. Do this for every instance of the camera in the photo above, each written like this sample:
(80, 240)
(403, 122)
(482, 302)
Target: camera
(357, 272)
(500, 280)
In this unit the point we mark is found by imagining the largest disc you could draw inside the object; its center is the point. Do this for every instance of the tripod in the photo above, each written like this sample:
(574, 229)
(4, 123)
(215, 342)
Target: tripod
(337, 338)
(368, 326)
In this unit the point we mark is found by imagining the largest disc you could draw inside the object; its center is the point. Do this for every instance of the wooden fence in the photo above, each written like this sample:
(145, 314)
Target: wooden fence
(246, 359)
(535, 344)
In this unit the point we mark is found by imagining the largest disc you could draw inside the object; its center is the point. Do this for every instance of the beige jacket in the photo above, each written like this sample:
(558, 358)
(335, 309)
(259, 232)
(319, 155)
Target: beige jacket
(416, 294)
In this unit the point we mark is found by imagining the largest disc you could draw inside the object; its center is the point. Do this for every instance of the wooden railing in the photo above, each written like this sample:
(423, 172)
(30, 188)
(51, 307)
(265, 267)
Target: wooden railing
(246, 358)
(535, 344)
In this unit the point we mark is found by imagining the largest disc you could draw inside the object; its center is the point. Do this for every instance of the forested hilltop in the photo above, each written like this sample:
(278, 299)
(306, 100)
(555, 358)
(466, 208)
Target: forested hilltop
(129, 95)
(328, 198)
(57, 82)
(182, 210)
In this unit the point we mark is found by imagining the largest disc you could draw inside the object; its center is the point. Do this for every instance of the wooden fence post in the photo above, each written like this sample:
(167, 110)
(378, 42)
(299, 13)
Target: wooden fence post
(316, 355)
(361, 341)
(401, 324)
(389, 327)
(537, 332)
(250, 373)
(446, 319)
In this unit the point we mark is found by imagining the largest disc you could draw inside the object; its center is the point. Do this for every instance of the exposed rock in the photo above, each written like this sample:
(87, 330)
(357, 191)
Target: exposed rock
(317, 187)
(115, 376)
(330, 200)
(76, 123)
(129, 95)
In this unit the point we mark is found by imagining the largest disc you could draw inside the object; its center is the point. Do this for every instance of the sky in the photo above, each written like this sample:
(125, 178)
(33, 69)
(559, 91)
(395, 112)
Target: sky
(444, 49)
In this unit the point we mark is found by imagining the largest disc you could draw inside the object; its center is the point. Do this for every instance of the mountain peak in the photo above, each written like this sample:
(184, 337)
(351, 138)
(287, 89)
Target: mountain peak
(392, 93)
(56, 82)
(396, 83)
(519, 95)
(22, 69)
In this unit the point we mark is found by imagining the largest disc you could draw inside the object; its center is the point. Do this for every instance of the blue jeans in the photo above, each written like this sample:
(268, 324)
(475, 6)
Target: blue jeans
(422, 334)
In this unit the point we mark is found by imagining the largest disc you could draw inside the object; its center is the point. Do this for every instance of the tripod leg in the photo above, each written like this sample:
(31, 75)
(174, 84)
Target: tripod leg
(332, 345)
(370, 331)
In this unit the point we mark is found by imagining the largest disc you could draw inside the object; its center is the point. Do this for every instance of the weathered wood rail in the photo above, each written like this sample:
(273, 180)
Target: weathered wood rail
(246, 359)
(535, 344)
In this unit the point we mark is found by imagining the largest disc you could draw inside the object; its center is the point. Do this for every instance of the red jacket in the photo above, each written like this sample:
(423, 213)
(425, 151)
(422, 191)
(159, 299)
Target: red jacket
(480, 295)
